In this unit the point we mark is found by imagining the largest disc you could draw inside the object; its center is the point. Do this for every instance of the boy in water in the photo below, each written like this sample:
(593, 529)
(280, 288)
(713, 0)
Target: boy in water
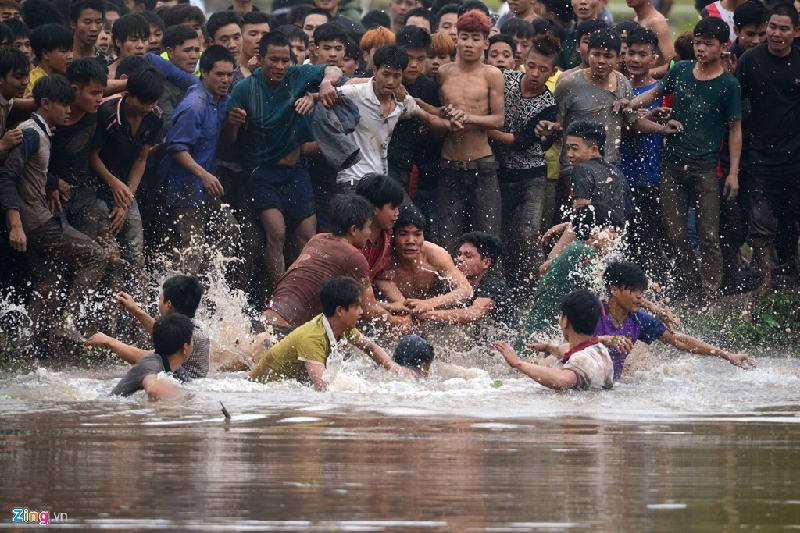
(586, 364)
(414, 353)
(303, 354)
(172, 340)
(179, 294)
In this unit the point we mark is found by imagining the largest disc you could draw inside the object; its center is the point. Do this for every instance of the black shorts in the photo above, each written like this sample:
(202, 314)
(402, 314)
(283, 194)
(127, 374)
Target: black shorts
(287, 189)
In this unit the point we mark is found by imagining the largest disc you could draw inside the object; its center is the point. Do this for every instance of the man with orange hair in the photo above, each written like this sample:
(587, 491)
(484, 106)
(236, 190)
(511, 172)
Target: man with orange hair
(440, 52)
(371, 41)
(468, 196)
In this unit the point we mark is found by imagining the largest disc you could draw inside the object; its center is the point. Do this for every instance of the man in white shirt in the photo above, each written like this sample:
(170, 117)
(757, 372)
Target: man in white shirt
(381, 102)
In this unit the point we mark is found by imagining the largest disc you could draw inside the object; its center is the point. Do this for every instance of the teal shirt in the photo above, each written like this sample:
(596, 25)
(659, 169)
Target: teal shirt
(705, 108)
(273, 128)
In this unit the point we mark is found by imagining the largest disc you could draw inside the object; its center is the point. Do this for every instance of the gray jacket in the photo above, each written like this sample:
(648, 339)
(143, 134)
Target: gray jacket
(332, 127)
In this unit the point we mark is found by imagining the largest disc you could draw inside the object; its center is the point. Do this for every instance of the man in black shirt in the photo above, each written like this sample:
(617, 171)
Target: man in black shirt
(769, 75)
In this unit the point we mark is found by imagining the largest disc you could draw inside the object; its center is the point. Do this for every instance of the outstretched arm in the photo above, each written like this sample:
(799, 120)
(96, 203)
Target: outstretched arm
(552, 378)
(127, 352)
(380, 356)
(694, 345)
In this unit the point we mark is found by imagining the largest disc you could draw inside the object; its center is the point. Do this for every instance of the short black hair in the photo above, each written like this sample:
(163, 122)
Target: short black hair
(130, 25)
(380, 190)
(587, 218)
(79, 5)
(391, 56)
(273, 38)
(181, 14)
(347, 211)
(783, 9)
(583, 310)
(149, 5)
(184, 293)
(55, 88)
(410, 216)
(6, 35)
(171, 332)
(625, 275)
(374, 19)
(258, 17)
(318, 11)
(175, 36)
(130, 65)
(713, 28)
(605, 40)
(37, 13)
(153, 19)
(500, 38)
(423, 13)
(12, 60)
(545, 26)
(297, 14)
(449, 7)
(49, 37)
(220, 19)
(293, 33)
(352, 50)
(339, 291)
(118, 7)
(212, 54)
(330, 31)
(626, 27)
(487, 245)
(469, 5)
(562, 9)
(588, 27)
(413, 38)
(593, 133)
(413, 352)
(750, 13)
(84, 70)
(18, 28)
(547, 46)
(519, 28)
(146, 85)
(643, 36)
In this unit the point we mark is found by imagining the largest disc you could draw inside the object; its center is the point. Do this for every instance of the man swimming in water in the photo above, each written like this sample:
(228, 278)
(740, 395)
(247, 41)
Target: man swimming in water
(422, 276)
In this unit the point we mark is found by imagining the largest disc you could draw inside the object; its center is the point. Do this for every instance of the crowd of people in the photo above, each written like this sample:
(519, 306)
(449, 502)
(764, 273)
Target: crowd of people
(427, 167)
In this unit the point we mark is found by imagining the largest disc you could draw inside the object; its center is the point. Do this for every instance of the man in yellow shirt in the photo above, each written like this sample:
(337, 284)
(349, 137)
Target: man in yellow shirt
(52, 46)
(303, 354)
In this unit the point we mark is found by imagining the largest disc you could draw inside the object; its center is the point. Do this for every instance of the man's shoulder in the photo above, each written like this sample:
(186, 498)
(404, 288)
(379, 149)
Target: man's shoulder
(150, 363)
(108, 110)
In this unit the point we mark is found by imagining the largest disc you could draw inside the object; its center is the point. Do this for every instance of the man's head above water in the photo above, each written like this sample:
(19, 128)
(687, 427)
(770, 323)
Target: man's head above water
(477, 253)
(409, 235)
(414, 353)
(626, 283)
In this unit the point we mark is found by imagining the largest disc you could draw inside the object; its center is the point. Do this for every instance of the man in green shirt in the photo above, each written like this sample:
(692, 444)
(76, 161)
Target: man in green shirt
(303, 354)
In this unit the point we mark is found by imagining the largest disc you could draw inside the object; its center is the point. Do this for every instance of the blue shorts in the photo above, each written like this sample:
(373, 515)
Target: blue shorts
(287, 189)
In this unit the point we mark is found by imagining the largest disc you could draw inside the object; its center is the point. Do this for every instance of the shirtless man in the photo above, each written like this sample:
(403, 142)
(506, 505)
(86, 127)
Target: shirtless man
(422, 276)
(472, 94)
(648, 17)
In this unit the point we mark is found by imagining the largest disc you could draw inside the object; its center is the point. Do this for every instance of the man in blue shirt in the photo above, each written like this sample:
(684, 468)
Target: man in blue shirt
(192, 190)
(266, 105)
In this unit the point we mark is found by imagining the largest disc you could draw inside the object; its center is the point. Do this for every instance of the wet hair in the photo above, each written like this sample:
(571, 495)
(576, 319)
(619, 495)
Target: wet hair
(85, 70)
(422, 13)
(339, 291)
(474, 22)
(547, 46)
(376, 19)
(6, 35)
(413, 352)
(409, 216)
(79, 6)
(441, 45)
(712, 28)
(297, 14)
(273, 38)
(588, 27)
(514, 27)
(258, 17)
(487, 245)
(592, 133)
(146, 85)
(171, 332)
(684, 47)
(130, 25)
(376, 37)
(153, 19)
(562, 9)
(12, 60)
(474, 5)
(131, 64)
(213, 54)
(413, 38)
(626, 27)
(347, 211)
(220, 19)
(605, 40)
(55, 88)
(380, 190)
(330, 31)
(583, 310)
(750, 14)
(391, 56)
(50, 37)
(587, 218)
(177, 35)
(37, 13)
(625, 275)
(545, 26)
(18, 29)
(182, 14)
(783, 9)
(184, 293)
(643, 36)
(293, 33)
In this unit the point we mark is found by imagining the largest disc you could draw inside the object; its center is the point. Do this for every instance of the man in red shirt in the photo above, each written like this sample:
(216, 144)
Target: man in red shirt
(385, 195)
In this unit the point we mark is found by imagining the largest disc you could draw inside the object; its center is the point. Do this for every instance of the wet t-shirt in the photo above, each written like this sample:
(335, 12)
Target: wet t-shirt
(133, 380)
(704, 108)
(600, 182)
(70, 151)
(592, 366)
(493, 287)
(296, 297)
(379, 254)
(638, 326)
